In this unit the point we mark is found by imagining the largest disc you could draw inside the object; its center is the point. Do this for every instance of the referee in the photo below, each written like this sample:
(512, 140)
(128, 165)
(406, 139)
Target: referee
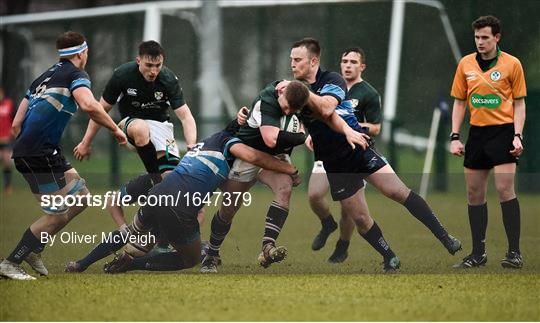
(492, 84)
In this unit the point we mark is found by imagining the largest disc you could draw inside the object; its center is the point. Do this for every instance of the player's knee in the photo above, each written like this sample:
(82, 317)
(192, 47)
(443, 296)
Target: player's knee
(283, 191)
(61, 204)
(315, 196)
(505, 192)
(398, 194)
(139, 132)
(475, 197)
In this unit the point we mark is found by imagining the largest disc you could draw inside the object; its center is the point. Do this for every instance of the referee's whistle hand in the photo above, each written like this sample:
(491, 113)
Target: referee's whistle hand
(457, 148)
(518, 147)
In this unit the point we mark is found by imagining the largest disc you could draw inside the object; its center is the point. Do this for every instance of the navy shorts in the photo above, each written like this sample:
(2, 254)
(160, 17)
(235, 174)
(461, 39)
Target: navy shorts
(44, 174)
(177, 223)
(347, 172)
(489, 146)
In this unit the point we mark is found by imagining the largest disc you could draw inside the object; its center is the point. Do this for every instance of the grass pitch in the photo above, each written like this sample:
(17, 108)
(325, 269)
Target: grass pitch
(303, 287)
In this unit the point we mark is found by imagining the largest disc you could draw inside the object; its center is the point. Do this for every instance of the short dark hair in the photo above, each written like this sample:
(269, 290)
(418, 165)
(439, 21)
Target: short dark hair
(296, 94)
(151, 48)
(358, 50)
(488, 21)
(69, 39)
(311, 44)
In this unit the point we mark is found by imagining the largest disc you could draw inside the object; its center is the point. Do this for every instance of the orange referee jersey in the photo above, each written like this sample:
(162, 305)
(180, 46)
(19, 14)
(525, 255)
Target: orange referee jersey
(490, 94)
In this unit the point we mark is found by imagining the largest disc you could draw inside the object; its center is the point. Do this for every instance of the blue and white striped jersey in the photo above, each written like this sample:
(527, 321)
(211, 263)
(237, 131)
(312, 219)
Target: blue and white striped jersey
(50, 107)
(207, 164)
(326, 140)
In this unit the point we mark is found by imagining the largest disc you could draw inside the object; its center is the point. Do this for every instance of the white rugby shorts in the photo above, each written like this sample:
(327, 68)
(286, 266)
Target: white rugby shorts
(161, 135)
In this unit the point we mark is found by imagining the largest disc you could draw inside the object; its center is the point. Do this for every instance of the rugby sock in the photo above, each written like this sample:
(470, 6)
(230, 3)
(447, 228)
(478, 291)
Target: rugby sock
(512, 223)
(29, 242)
(7, 177)
(148, 153)
(164, 261)
(329, 223)
(342, 245)
(104, 249)
(478, 219)
(375, 238)
(418, 207)
(275, 219)
(219, 230)
(137, 187)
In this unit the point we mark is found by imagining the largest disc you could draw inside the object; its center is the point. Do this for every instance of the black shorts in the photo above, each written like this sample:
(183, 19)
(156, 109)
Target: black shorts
(346, 173)
(489, 146)
(44, 174)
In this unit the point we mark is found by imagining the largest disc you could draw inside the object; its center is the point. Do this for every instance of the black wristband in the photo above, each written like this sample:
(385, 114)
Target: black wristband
(454, 136)
(519, 136)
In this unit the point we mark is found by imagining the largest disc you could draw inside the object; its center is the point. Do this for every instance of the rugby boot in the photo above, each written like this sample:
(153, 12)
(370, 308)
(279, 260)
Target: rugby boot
(35, 261)
(210, 264)
(512, 260)
(74, 267)
(391, 265)
(340, 252)
(14, 271)
(471, 261)
(320, 239)
(451, 244)
(119, 264)
(271, 254)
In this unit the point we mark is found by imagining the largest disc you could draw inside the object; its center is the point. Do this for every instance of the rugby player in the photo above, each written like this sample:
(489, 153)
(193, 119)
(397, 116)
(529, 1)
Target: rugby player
(346, 168)
(262, 131)
(202, 170)
(366, 102)
(144, 91)
(39, 123)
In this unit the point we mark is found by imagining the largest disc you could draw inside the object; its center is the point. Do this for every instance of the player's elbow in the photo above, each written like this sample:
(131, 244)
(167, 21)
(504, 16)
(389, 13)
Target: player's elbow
(269, 135)
(89, 106)
(375, 130)
(327, 113)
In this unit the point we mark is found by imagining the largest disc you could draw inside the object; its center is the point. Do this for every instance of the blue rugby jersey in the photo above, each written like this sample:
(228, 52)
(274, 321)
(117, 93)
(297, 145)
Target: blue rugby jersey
(207, 165)
(325, 140)
(50, 107)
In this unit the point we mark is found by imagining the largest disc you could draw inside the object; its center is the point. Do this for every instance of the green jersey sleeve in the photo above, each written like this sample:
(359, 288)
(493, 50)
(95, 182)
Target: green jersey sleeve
(176, 96)
(112, 89)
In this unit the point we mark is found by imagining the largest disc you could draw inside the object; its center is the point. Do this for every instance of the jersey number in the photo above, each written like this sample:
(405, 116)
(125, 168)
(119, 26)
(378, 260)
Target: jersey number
(195, 150)
(40, 89)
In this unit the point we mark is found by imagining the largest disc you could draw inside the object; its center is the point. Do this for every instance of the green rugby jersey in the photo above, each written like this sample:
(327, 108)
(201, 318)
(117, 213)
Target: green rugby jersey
(366, 102)
(142, 99)
(265, 111)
